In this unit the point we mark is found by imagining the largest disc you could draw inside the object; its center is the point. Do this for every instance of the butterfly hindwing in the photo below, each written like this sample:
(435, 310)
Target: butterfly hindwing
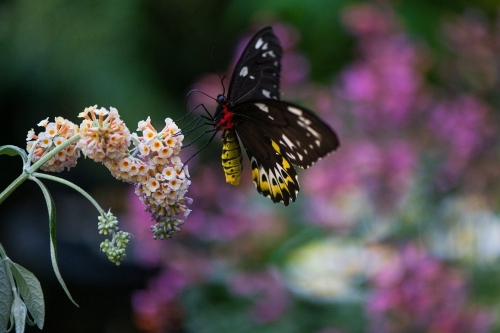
(272, 173)
(257, 73)
(299, 134)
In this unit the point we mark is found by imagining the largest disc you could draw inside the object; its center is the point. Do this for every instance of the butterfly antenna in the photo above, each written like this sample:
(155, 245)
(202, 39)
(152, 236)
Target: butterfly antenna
(220, 77)
(186, 101)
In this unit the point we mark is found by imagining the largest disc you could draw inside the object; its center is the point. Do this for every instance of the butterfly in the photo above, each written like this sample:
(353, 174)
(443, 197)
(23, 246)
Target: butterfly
(275, 134)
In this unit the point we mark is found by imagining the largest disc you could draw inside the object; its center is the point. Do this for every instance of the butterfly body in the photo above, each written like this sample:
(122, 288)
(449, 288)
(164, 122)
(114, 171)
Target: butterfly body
(274, 133)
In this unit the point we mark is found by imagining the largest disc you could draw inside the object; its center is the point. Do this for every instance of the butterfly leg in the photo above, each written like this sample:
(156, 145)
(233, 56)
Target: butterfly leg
(199, 150)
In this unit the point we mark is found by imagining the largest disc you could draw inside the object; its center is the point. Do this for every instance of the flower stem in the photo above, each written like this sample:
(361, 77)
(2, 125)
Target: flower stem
(28, 170)
(15, 184)
(52, 153)
(73, 186)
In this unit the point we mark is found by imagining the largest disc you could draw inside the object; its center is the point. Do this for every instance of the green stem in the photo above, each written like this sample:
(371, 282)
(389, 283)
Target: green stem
(29, 170)
(51, 154)
(73, 186)
(15, 184)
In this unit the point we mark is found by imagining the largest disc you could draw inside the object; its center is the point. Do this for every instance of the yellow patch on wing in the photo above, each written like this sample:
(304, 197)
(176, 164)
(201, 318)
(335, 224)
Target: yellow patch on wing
(276, 147)
(276, 183)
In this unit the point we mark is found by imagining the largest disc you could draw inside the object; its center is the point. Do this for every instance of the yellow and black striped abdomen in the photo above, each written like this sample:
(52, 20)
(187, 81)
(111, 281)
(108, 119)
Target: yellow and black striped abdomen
(232, 161)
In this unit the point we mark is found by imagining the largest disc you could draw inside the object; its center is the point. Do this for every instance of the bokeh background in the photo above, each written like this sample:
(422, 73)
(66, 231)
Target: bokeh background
(398, 231)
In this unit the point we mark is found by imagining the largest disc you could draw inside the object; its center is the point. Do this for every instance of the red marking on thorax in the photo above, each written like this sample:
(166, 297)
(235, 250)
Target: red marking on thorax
(226, 121)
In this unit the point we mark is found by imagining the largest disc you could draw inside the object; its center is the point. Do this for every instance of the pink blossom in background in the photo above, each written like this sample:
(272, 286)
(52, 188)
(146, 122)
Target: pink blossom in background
(365, 19)
(225, 212)
(383, 89)
(420, 293)
(462, 125)
(146, 250)
(266, 289)
(382, 173)
(155, 308)
(464, 129)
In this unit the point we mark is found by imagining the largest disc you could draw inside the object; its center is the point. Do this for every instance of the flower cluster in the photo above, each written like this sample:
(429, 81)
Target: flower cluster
(163, 187)
(103, 139)
(55, 134)
(153, 165)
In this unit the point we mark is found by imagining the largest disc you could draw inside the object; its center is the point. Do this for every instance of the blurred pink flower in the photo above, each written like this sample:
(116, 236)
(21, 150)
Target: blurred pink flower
(146, 250)
(366, 19)
(266, 289)
(421, 294)
(465, 131)
(384, 88)
(224, 212)
(383, 174)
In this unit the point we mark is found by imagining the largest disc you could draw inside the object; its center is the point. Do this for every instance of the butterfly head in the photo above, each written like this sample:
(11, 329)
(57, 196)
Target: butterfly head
(221, 99)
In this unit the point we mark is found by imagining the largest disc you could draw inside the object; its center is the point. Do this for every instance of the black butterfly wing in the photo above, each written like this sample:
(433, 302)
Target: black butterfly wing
(298, 134)
(257, 73)
(272, 173)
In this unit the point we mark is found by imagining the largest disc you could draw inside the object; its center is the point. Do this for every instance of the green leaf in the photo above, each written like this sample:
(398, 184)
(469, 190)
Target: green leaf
(13, 151)
(19, 314)
(31, 292)
(53, 238)
(6, 298)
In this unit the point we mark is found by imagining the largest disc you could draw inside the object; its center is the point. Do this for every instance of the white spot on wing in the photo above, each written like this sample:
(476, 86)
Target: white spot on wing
(288, 142)
(264, 47)
(261, 106)
(244, 71)
(252, 77)
(269, 53)
(316, 134)
(266, 93)
(259, 43)
(295, 111)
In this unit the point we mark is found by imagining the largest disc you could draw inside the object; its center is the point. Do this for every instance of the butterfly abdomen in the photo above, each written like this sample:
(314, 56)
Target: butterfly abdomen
(231, 157)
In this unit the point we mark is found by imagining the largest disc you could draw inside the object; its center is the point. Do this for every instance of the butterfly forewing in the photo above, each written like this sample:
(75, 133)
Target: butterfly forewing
(299, 134)
(257, 73)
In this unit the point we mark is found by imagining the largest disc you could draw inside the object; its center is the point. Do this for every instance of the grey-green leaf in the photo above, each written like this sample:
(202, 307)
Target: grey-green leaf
(13, 151)
(53, 238)
(6, 297)
(31, 292)
(19, 314)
